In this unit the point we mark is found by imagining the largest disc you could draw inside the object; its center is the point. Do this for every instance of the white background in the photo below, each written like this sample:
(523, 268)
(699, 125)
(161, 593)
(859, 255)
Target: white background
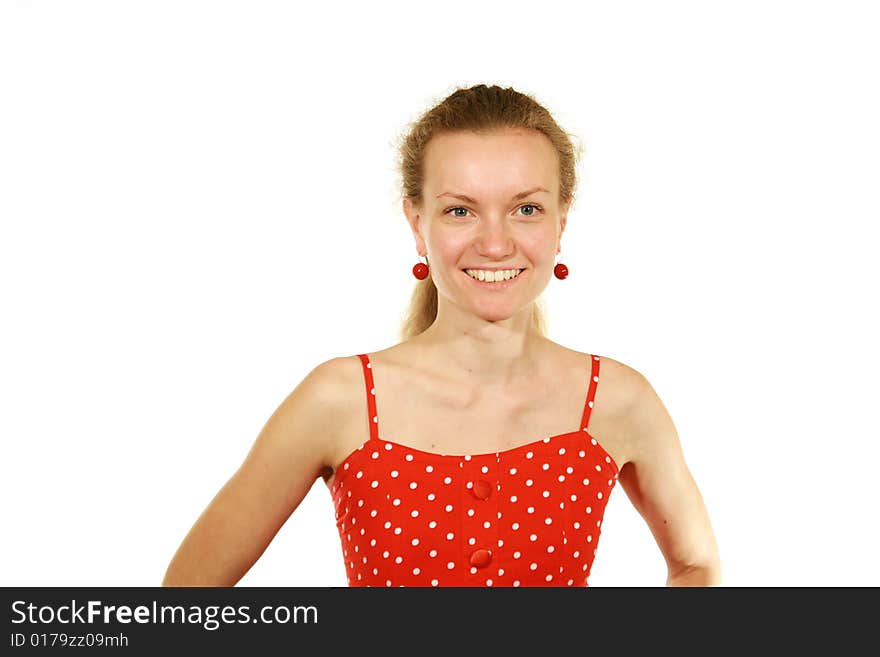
(199, 204)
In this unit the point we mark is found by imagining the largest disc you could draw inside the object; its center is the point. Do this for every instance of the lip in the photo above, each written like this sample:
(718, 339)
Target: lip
(495, 285)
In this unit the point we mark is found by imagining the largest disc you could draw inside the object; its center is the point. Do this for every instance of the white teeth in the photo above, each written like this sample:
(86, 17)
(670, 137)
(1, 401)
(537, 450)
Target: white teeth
(492, 276)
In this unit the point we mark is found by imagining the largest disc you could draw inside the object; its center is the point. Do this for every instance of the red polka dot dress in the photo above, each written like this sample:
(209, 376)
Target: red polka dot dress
(526, 516)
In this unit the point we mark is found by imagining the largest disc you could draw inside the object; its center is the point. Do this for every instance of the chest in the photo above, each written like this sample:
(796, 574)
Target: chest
(530, 516)
(452, 422)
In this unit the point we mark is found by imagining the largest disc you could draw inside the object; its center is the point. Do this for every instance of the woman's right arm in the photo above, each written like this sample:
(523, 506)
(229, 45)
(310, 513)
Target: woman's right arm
(289, 454)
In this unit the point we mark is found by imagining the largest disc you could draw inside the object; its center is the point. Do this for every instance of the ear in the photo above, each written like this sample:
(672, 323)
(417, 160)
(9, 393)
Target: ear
(413, 218)
(563, 218)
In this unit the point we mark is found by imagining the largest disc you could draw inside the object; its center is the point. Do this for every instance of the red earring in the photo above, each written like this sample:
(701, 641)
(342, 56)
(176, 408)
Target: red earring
(560, 270)
(420, 270)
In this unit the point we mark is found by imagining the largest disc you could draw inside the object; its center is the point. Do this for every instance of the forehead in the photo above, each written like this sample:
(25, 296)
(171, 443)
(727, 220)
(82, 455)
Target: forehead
(493, 162)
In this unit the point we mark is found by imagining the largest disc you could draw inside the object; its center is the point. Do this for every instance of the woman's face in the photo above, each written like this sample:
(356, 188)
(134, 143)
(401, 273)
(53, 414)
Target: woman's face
(489, 202)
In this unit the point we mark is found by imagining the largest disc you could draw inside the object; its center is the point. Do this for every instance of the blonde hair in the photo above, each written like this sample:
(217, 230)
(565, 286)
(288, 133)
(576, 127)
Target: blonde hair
(480, 109)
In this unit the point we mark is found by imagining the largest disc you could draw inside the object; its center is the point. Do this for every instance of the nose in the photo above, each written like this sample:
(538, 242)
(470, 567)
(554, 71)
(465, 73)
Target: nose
(494, 238)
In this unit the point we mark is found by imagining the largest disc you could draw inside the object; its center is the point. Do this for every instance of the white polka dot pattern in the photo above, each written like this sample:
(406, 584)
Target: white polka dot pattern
(527, 516)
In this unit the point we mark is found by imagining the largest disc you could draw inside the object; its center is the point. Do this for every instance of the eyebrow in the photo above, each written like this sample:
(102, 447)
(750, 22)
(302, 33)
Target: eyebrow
(516, 197)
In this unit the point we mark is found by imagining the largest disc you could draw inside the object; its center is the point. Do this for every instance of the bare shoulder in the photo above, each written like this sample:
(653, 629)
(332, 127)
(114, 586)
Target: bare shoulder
(618, 388)
(330, 374)
(641, 421)
(337, 382)
(621, 384)
(319, 404)
(618, 392)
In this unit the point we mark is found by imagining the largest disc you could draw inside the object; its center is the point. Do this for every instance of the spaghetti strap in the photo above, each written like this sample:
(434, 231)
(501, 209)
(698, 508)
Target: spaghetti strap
(371, 396)
(591, 391)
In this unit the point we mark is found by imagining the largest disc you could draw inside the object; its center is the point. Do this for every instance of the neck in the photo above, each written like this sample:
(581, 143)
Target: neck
(485, 355)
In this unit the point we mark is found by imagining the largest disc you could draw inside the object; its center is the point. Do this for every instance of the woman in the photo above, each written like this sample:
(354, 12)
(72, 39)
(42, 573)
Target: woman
(476, 452)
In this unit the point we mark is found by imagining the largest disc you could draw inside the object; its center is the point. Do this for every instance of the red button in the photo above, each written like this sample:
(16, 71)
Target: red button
(481, 558)
(482, 489)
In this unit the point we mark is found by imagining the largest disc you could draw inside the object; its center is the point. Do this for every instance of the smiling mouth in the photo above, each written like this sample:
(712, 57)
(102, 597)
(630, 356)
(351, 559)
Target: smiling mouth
(499, 283)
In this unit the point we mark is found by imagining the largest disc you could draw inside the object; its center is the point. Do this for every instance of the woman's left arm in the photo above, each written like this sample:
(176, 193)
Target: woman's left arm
(661, 488)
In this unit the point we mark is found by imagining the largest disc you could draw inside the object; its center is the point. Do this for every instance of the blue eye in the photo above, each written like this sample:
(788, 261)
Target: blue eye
(527, 205)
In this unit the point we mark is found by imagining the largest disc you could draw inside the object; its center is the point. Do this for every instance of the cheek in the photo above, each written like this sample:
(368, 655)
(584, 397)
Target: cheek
(446, 253)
